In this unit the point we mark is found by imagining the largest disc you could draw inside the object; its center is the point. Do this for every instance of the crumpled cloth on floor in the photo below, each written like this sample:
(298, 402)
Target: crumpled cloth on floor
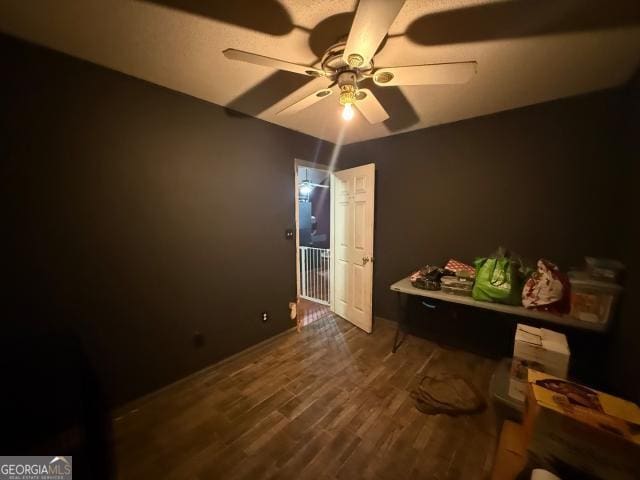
(448, 394)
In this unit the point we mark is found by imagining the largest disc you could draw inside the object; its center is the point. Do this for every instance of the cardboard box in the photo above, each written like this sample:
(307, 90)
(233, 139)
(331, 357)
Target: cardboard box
(511, 453)
(538, 348)
(573, 430)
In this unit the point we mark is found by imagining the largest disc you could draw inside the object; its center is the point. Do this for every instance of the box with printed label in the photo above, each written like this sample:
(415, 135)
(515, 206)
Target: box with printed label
(579, 432)
(537, 348)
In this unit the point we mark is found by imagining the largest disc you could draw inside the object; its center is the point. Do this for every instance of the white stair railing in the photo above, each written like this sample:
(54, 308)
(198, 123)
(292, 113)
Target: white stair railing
(314, 274)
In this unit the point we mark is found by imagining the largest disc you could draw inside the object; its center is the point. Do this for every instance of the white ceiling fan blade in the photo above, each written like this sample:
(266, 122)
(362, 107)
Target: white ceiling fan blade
(436, 74)
(247, 57)
(370, 107)
(370, 26)
(305, 102)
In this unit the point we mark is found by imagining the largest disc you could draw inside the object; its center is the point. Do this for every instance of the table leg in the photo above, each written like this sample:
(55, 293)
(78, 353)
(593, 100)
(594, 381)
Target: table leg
(402, 314)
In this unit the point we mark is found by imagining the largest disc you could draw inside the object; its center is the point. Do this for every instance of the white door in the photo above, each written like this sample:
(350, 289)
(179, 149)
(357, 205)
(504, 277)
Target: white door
(352, 195)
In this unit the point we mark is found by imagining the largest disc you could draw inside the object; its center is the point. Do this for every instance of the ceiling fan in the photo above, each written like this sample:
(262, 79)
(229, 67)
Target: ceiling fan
(347, 63)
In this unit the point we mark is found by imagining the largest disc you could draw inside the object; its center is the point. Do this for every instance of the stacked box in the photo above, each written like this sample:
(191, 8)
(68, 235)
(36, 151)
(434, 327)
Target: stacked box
(576, 431)
(456, 285)
(538, 348)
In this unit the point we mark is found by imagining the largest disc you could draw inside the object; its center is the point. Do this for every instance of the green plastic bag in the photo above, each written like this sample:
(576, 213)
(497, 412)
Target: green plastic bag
(498, 280)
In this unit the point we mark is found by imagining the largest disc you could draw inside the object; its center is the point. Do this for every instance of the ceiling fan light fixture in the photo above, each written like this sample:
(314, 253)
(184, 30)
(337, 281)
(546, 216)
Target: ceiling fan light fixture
(355, 60)
(305, 187)
(347, 94)
(383, 77)
(347, 111)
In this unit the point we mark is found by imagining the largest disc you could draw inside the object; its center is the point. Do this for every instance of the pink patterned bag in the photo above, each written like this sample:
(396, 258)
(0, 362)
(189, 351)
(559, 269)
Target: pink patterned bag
(547, 289)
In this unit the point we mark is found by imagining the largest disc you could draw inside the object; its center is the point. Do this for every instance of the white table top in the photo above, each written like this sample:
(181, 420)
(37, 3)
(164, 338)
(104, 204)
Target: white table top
(404, 286)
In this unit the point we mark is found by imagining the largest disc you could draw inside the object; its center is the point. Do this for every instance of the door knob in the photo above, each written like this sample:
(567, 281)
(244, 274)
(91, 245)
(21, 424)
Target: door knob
(366, 259)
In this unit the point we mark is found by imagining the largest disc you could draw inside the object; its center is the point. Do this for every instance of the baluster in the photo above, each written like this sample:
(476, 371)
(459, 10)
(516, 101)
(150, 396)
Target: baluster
(304, 271)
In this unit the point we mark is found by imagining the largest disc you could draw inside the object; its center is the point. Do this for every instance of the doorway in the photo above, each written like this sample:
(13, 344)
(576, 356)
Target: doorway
(313, 241)
(314, 226)
(334, 242)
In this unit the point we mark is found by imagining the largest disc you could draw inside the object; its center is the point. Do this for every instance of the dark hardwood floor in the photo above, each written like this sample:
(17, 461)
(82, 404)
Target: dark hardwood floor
(329, 402)
(310, 312)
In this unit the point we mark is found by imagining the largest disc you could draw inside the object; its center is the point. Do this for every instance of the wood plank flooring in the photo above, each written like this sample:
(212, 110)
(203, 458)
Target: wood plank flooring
(331, 402)
(309, 312)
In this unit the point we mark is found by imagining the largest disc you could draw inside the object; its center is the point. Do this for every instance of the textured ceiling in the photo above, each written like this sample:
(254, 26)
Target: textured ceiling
(527, 52)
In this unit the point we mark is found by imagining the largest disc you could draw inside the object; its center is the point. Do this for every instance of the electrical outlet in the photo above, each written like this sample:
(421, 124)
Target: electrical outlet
(264, 316)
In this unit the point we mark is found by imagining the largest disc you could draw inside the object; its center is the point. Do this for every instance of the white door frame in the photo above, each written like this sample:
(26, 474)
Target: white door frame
(332, 240)
(317, 166)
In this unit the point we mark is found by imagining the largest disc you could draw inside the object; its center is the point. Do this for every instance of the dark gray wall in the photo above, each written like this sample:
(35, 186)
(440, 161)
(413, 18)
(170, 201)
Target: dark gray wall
(624, 368)
(541, 181)
(136, 216)
(544, 181)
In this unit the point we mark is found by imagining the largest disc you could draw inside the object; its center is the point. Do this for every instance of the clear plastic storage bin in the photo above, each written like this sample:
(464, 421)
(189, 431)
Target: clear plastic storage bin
(592, 300)
(604, 269)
